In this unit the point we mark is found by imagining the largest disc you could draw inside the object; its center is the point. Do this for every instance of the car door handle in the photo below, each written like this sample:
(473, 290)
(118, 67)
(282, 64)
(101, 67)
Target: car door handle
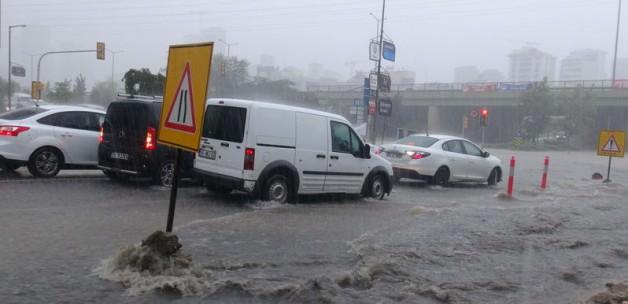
(224, 144)
(334, 157)
(320, 155)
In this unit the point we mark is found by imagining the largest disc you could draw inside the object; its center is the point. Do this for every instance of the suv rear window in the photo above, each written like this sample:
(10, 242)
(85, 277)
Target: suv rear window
(224, 123)
(20, 114)
(132, 118)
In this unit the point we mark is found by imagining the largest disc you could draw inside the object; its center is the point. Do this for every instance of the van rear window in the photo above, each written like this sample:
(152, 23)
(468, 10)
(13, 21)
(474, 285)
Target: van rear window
(225, 123)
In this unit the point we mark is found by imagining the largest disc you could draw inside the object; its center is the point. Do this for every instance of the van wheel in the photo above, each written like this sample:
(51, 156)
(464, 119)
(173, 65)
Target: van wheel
(277, 189)
(115, 176)
(377, 189)
(45, 162)
(165, 174)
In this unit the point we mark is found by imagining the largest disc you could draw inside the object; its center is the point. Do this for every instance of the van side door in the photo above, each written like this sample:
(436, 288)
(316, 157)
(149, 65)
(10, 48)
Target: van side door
(312, 154)
(346, 169)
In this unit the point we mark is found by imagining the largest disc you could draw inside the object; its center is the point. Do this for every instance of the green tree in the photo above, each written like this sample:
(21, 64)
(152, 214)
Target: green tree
(534, 109)
(228, 75)
(102, 93)
(143, 82)
(61, 91)
(580, 112)
(79, 88)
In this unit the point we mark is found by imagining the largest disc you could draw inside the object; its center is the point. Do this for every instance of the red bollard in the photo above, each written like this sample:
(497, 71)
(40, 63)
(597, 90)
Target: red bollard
(544, 178)
(511, 176)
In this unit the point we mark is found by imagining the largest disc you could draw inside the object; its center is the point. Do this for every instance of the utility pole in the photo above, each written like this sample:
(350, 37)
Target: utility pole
(373, 134)
(615, 63)
(9, 93)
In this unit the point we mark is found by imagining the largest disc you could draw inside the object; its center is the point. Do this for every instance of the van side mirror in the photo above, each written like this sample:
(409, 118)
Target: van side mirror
(366, 153)
(486, 154)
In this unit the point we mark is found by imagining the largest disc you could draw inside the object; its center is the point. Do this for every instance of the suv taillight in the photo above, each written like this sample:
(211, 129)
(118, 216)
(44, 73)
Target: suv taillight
(12, 130)
(151, 136)
(249, 159)
(101, 135)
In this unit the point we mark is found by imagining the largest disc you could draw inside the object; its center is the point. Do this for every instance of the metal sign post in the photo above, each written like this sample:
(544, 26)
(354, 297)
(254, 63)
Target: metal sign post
(183, 110)
(611, 144)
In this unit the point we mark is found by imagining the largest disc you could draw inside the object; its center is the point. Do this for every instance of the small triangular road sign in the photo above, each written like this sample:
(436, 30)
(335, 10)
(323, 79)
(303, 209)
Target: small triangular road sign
(181, 114)
(611, 145)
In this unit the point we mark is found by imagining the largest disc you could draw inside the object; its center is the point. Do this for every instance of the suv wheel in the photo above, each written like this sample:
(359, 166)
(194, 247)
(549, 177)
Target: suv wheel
(166, 174)
(277, 189)
(45, 162)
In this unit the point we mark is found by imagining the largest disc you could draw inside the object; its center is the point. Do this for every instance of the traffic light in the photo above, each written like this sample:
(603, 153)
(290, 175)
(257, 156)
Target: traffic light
(100, 50)
(484, 117)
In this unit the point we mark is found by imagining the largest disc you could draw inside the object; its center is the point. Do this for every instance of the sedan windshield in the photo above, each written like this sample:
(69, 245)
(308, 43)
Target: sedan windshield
(418, 141)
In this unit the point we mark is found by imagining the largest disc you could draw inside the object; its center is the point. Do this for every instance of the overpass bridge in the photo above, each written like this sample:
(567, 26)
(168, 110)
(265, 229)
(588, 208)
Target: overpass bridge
(441, 106)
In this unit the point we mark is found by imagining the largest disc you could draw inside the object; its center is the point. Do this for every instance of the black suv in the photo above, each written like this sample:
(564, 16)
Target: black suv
(128, 143)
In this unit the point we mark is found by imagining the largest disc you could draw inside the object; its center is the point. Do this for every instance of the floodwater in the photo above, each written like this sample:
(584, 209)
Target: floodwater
(423, 244)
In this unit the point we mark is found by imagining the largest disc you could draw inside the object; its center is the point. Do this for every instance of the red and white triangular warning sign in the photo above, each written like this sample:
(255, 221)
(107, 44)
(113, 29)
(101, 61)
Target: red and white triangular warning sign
(611, 145)
(181, 114)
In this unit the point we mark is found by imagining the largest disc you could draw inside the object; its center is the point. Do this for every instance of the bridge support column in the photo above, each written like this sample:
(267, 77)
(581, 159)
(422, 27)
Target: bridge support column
(433, 119)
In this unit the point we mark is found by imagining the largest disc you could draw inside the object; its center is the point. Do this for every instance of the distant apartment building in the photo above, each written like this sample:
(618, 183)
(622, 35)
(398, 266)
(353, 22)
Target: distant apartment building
(491, 75)
(531, 64)
(467, 73)
(584, 64)
(471, 73)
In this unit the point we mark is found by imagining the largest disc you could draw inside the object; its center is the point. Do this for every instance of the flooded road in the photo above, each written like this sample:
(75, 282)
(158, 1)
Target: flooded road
(423, 244)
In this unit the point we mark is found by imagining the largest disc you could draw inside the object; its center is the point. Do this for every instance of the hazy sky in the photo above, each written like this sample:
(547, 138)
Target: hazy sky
(432, 36)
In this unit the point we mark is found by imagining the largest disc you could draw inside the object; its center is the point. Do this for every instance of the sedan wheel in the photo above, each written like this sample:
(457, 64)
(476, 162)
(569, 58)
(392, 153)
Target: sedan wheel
(493, 177)
(441, 178)
(45, 162)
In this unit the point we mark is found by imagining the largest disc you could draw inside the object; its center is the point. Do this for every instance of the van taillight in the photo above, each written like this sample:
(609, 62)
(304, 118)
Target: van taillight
(151, 136)
(12, 130)
(249, 159)
(101, 135)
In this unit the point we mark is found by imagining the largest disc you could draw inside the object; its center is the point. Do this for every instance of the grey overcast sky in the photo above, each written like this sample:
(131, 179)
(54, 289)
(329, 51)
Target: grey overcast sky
(432, 36)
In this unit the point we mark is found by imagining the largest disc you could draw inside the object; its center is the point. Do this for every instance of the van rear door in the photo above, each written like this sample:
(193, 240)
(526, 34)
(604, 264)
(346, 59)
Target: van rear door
(221, 148)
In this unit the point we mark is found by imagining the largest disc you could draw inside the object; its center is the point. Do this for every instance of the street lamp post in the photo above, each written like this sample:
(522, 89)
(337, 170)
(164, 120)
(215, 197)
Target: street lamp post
(10, 65)
(113, 64)
(229, 45)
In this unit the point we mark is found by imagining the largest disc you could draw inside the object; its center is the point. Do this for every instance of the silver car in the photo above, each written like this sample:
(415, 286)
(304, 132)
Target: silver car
(441, 159)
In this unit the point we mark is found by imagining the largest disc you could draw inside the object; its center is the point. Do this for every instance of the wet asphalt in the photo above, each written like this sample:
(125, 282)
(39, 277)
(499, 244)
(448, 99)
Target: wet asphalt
(422, 244)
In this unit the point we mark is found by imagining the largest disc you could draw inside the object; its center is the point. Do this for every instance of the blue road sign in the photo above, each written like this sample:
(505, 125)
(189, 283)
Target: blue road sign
(388, 51)
(367, 92)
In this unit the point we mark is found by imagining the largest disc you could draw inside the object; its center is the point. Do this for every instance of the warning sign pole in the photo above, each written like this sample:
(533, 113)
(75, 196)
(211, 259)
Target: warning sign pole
(183, 109)
(174, 190)
(608, 173)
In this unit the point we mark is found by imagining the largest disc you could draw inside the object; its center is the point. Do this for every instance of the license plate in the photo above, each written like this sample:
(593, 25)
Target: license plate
(117, 155)
(209, 154)
(394, 155)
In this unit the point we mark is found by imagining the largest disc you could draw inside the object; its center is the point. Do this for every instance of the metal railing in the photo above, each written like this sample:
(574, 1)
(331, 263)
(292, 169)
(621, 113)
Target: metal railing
(480, 86)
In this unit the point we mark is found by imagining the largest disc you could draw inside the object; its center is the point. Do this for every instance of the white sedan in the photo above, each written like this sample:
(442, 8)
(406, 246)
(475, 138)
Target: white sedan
(49, 138)
(441, 159)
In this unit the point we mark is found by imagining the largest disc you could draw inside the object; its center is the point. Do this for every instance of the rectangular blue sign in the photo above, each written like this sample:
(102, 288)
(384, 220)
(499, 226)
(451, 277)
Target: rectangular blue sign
(388, 51)
(367, 92)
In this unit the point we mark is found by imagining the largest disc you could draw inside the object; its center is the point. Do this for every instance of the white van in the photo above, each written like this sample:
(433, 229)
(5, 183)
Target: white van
(278, 151)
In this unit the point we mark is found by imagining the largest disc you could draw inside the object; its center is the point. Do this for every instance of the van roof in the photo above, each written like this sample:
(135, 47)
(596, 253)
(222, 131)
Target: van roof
(245, 102)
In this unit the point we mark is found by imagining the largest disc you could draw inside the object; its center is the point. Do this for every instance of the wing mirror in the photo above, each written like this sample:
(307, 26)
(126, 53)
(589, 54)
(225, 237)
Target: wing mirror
(486, 154)
(367, 151)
